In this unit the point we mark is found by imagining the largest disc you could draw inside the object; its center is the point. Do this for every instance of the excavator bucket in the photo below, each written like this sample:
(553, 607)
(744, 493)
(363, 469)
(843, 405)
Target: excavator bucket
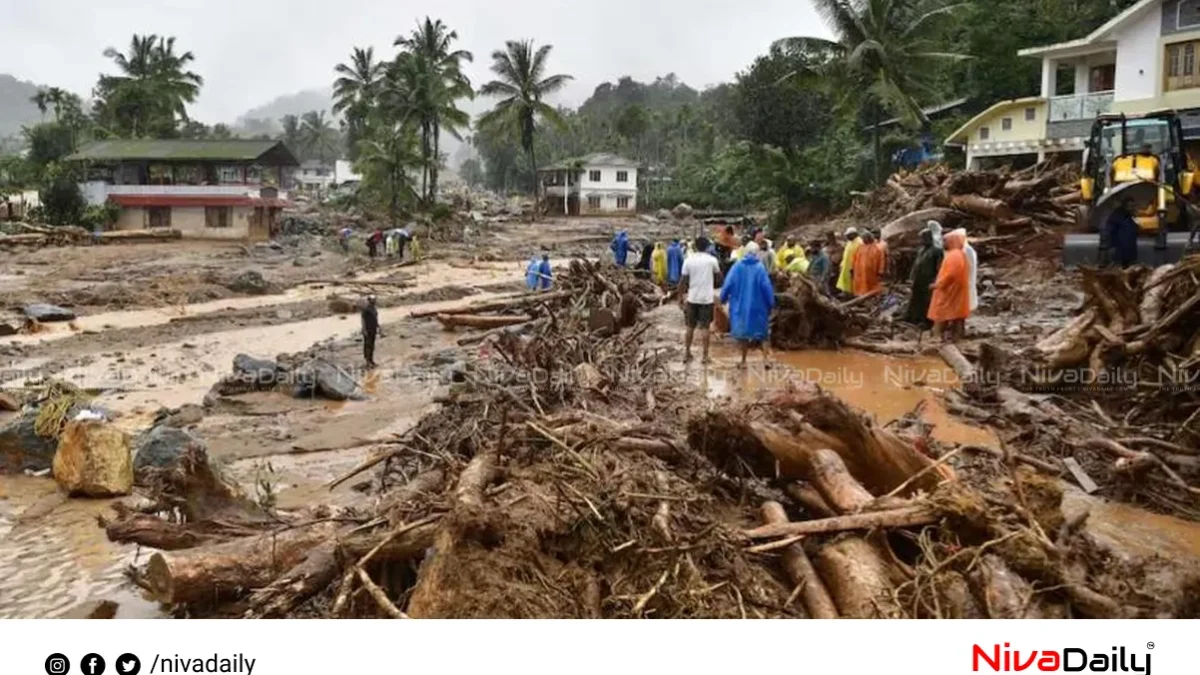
(1153, 250)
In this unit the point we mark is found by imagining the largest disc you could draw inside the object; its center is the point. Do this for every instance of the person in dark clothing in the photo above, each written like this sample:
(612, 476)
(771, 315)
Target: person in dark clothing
(373, 242)
(647, 253)
(370, 330)
(924, 273)
(1123, 235)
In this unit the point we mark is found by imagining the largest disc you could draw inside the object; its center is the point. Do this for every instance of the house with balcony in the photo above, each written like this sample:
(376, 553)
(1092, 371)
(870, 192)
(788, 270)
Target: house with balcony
(314, 177)
(600, 183)
(1143, 59)
(225, 189)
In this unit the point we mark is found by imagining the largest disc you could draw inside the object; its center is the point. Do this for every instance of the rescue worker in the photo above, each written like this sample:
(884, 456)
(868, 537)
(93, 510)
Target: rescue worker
(620, 248)
(972, 270)
(924, 273)
(370, 329)
(845, 282)
(676, 253)
(820, 267)
(750, 296)
(796, 263)
(344, 238)
(788, 250)
(658, 264)
(531, 273)
(545, 274)
(869, 264)
(1123, 235)
(950, 305)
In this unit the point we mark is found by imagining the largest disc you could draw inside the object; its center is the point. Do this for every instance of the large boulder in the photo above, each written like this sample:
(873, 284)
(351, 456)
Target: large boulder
(319, 378)
(662, 215)
(21, 449)
(257, 373)
(94, 460)
(682, 211)
(249, 282)
(48, 313)
(162, 446)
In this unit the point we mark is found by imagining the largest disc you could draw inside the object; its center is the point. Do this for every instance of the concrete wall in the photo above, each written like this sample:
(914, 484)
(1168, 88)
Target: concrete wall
(608, 178)
(608, 204)
(1140, 54)
(1022, 129)
(191, 222)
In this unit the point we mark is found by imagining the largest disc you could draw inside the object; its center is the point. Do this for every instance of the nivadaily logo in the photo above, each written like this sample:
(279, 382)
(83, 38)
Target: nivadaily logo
(1068, 660)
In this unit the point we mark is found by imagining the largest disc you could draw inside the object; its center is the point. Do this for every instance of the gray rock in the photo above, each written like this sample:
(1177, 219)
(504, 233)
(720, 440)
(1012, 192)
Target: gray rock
(444, 357)
(454, 373)
(249, 282)
(7, 329)
(260, 372)
(319, 378)
(47, 313)
(21, 449)
(162, 446)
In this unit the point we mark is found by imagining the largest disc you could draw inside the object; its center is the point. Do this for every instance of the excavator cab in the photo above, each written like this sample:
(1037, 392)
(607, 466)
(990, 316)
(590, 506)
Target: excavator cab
(1136, 163)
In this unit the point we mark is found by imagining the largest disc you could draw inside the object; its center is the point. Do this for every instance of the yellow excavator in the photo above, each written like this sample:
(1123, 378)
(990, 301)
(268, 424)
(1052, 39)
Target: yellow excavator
(1137, 163)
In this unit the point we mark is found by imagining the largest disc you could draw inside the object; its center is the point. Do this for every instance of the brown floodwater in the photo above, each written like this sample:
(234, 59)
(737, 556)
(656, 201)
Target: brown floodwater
(887, 387)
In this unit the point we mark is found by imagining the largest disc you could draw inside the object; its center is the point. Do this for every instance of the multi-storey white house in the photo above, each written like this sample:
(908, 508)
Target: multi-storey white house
(597, 183)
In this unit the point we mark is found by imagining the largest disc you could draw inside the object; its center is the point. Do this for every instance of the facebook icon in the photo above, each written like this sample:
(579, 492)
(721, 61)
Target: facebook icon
(92, 664)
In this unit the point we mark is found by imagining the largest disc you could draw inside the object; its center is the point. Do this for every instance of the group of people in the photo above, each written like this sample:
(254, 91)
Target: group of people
(944, 282)
(392, 242)
(538, 275)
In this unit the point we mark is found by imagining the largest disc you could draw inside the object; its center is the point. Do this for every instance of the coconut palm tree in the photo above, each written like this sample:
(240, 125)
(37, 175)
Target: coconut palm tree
(291, 136)
(521, 85)
(317, 135)
(882, 53)
(152, 90)
(431, 71)
(355, 92)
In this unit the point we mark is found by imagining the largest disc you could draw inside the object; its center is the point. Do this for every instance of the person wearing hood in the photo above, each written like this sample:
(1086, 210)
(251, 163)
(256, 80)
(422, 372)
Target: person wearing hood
(820, 267)
(786, 251)
(644, 258)
(620, 248)
(935, 230)
(545, 274)
(951, 302)
(845, 281)
(870, 262)
(750, 296)
(924, 273)
(675, 256)
(658, 263)
(972, 269)
(531, 273)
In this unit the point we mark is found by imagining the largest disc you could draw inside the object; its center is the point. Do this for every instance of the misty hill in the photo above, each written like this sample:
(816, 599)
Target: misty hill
(265, 118)
(15, 108)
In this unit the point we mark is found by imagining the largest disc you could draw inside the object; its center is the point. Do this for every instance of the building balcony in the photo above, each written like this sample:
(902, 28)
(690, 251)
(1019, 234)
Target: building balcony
(560, 190)
(1079, 106)
(97, 192)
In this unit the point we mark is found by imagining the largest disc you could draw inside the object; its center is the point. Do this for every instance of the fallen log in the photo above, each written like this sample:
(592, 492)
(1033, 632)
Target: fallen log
(903, 230)
(959, 363)
(858, 579)
(993, 209)
(480, 321)
(141, 235)
(801, 571)
(909, 516)
(498, 305)
(828, 473)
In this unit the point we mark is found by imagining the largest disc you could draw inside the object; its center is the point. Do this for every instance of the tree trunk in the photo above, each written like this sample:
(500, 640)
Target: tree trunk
(433, 167)
(536, 182)
(877, 141)
(425, 163)
(800, 570)
(481, 320)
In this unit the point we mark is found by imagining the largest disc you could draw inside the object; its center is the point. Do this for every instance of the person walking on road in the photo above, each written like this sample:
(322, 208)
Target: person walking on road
(751, 297)
(698, 288)
(370, 330)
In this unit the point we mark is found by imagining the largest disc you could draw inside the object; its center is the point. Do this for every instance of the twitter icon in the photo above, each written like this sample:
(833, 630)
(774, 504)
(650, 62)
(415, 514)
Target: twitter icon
(128, 664)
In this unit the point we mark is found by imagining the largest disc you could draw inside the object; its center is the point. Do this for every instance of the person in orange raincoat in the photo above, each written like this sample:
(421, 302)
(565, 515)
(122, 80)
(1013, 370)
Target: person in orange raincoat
(870, 261)
(951, 302)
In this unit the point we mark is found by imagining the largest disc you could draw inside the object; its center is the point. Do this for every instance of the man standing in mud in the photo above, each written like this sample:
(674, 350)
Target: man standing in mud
(370, 330)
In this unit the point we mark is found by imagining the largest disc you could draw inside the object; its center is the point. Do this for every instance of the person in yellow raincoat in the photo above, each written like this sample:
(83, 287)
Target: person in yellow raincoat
(658, 263)
(786, 251)
(845, 281)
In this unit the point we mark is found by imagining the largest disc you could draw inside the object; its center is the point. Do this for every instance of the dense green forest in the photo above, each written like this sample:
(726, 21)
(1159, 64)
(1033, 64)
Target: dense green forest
(796, 128)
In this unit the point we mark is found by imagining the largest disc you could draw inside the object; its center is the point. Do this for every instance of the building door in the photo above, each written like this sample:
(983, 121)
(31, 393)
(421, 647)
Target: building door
(259, 228)
(158, 216)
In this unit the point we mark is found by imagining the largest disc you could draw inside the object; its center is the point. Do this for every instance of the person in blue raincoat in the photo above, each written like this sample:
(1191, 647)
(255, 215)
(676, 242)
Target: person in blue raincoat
(674, 263)
(531, 273)
(621, 247)
(544, 274)
(750, 296)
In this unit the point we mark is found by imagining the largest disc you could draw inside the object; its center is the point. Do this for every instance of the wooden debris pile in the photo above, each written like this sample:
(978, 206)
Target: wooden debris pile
(42, 235)
(1022, 210)
(805, 317)
(879, 529)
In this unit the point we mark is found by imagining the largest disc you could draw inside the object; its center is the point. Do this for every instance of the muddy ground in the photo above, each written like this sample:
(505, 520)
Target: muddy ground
(159, 324)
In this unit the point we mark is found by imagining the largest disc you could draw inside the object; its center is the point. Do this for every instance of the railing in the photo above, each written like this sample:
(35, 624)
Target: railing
(1080, 106)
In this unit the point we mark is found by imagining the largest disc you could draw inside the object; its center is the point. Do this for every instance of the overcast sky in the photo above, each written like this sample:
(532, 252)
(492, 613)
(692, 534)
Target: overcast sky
(251, 52)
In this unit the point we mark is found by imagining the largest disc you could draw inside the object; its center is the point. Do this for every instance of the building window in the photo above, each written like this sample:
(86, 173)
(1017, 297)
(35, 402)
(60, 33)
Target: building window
(1030, 114)
(218, 216)
(622, 176)
(1181, 68)
(594, 201)
(230, 174)
(1102, 78)
(622, 202)
(1006, 124)
(594, 176)
(159, 216)
(985, 133)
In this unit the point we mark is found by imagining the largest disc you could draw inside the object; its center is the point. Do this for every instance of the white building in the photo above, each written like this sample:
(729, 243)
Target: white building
(313, 176)
(597, 183)
(1143, 59)
(343, 172)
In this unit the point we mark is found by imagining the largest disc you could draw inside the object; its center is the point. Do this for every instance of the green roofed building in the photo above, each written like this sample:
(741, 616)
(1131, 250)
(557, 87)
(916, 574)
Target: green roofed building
(229, 189)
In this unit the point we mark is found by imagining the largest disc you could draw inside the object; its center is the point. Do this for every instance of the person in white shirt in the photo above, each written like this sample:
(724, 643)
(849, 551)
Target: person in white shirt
(699, 281)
